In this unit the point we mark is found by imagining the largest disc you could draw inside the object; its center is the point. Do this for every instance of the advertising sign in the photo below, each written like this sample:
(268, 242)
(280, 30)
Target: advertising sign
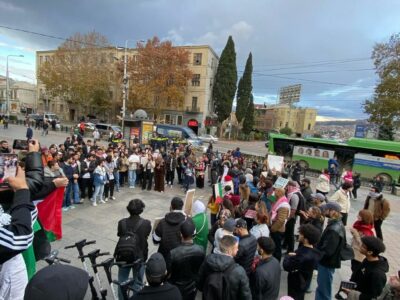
(147, 131)
(289, 94)
(360, 131)
(313, 152)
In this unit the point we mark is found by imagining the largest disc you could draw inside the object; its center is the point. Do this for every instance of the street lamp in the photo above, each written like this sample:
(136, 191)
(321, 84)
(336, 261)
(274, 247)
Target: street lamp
(7, 87)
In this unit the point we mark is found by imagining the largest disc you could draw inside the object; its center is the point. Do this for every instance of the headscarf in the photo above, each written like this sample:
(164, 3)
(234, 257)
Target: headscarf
(292, 190)
(198, 207)
(282, 202)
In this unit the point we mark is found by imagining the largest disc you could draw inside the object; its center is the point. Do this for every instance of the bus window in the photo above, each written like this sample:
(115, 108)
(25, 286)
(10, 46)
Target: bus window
(283, 148)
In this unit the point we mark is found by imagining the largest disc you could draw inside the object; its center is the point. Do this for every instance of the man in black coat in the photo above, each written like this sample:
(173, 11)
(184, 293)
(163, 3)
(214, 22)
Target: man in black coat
(301, 263)
(265, 281)
(221, 261)
(247, 246)
(331, 243)
(370, 277)
(135, 208)
(186, 261)
(167, 233)
(156, 271)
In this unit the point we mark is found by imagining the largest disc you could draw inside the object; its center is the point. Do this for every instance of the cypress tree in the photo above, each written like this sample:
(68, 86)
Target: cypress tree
(249, 117)
(225, 81)
(244, 90)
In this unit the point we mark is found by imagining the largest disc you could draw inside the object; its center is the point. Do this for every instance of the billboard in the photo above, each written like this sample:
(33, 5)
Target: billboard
(289, 94)
(360, 131)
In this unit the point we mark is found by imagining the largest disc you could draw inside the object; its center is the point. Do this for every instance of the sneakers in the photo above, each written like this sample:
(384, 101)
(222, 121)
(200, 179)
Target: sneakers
(112, 198)
(79, 202)
(65, 208)
(102, 201)
(131, 187)
(106, 199)
(94, 204)
(72, 207)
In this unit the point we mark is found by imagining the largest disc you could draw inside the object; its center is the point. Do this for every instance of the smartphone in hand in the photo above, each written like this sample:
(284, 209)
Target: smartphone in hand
(8, 168)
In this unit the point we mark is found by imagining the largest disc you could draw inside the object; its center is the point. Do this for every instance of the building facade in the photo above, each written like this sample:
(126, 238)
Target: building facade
(197, 105)
(276, 117)
(22, 96)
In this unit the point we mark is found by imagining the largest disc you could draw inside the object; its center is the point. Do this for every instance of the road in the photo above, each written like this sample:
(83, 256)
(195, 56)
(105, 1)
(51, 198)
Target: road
(256, 148)
(100, 223)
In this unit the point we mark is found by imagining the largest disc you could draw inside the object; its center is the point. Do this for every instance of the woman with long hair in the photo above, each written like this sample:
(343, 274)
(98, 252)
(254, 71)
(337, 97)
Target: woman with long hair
(379, 207)
(159, 175)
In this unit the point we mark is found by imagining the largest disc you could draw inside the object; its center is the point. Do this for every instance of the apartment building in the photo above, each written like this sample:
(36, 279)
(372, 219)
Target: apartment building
(276, 117)
(21, 96)
(197, 106)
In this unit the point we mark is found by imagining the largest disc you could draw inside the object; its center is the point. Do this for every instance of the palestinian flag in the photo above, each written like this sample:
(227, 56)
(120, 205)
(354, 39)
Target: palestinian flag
(47, 228)
(219, 193)
(50, 214)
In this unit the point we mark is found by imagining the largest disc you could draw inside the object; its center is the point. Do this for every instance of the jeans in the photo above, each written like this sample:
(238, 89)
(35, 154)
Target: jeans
(116, 180)
(324, 280)
(289, 234)
(123, 275)
(87, 187)
(75, 189)
(169, 178)
(98, 191)
(147, 177)
(132, 178)
(109, 187)
(378, 229)
(67, 194)
(123, 176)
(277, 238)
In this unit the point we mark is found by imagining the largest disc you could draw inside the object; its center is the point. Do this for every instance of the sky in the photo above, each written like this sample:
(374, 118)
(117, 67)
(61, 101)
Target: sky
(324, 45)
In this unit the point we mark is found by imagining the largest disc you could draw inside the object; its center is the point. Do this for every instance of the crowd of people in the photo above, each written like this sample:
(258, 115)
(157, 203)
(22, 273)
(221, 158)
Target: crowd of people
(232, 247)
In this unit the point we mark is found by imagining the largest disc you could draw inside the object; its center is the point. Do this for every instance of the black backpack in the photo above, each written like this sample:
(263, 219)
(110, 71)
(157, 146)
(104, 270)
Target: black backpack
(301, 206)
(128, 246)
(217, 286)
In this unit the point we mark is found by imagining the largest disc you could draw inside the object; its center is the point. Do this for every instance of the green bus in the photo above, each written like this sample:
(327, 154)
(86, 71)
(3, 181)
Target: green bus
(368, 157)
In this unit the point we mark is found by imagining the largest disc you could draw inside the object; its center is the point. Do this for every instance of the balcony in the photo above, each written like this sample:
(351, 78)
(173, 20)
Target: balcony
(192, 109)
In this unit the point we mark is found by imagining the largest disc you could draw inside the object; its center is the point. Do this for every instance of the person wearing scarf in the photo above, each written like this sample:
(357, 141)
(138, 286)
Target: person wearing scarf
(362, 227)
(379, 207)
(200, 221)
(279, 214)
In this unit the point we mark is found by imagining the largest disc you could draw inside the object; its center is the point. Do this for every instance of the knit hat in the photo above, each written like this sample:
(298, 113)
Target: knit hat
(198, 207)
(229, 225)
(227, 178)
(155, 266)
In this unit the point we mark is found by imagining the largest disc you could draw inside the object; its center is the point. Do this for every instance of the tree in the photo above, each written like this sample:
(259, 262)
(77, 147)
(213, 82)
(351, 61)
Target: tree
(248, 121)
(384, 108)
(79, 73)
(386, 132)
(286, 130)
(224, 88)
(159, 76)
(244, 91)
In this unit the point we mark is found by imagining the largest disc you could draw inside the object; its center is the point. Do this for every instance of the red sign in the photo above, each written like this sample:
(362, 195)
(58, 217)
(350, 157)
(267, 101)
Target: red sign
(193, 123)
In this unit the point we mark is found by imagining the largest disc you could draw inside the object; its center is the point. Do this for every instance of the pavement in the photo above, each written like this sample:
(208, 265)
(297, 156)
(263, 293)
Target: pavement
(100, 223)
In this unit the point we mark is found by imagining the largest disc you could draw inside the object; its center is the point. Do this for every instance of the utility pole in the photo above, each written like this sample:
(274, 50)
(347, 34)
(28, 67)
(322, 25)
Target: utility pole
(125, 88)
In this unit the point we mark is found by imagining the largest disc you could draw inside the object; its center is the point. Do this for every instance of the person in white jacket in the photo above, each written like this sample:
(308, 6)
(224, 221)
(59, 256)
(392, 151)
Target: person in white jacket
(342, 197)
(323, 185)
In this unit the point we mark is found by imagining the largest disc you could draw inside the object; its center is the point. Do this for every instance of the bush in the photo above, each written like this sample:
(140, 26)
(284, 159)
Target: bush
(286, 130)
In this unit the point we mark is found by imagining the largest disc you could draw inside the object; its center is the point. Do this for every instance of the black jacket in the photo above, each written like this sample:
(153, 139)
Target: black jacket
(143, 232)
(371, 278)
(247, 250)
(331, 243)
(300, 268)
(306, 192)
(168, 233)
(265, 281)
(184, 267)
(238, 280)
(162, 292)
(34, 172)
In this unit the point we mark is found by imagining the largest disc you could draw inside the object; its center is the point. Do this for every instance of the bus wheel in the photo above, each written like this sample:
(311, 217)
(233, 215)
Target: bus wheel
(386, 178)
(303, 164)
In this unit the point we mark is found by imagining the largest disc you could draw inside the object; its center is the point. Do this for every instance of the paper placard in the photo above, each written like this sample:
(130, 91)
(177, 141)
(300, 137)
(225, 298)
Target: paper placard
(275, 163)
(187, 205)
(281, 182)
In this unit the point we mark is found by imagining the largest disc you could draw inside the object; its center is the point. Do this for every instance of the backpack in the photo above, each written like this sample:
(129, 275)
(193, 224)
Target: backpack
(301, 206)
(128, 248)
(217, 286)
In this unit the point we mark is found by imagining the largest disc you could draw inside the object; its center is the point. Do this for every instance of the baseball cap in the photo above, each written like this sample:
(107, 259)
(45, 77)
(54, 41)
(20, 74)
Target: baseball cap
(318, 196)
(229, 225)
(155, 266)
(240, 223)
(331, 206)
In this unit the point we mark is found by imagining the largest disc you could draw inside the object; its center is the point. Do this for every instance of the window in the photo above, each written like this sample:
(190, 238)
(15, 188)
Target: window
(194, 103)
(61, 107)
(180, 120)
(309, 126)
(40, 60)
(196, 80)
(167, 119)
(197, 59)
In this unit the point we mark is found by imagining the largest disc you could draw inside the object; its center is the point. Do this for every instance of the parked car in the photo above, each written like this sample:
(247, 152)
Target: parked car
(104, 129)
(89, 128)
(208, 138)
(47, 115)
(175, 131)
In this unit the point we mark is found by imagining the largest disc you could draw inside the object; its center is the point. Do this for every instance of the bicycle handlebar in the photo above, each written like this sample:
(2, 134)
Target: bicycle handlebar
(53, 257)
(80, 244)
